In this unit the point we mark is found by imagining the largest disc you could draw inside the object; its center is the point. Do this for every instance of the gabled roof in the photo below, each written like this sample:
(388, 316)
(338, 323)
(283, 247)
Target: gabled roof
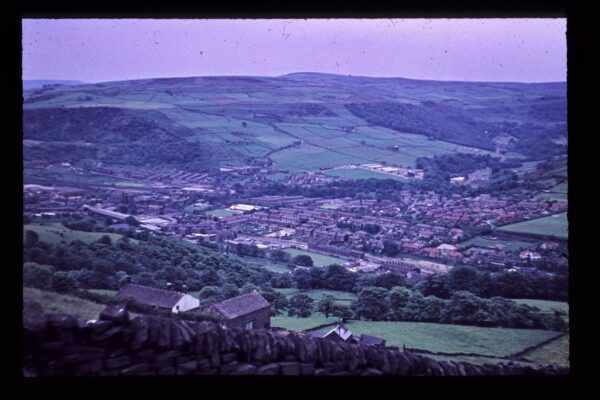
(151, 296)
(341, 331)
(371, 340)
(241, 305)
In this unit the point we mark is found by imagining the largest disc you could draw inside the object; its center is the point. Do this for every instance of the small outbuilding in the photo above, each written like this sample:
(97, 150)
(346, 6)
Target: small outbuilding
(340, 333)
(372, 341)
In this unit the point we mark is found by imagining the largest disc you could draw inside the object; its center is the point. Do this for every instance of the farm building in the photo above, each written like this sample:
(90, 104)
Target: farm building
(340, 333)
(247, 311)
(160, 298)
(372, 341)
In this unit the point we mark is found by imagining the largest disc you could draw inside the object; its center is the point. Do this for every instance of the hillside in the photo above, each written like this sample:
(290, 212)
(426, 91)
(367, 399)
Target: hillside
(300, 122)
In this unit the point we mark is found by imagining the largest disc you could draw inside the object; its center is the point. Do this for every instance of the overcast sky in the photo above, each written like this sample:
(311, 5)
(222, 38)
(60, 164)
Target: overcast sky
(95, 50)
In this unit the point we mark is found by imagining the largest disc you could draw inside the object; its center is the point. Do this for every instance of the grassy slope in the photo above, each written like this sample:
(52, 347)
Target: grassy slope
(555, 352)
(494, 342)
(54, 303)
(57, 233)
(551, 225)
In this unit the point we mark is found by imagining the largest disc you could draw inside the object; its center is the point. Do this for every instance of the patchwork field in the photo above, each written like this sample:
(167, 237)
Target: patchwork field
(556, 225)
(492, 342)
(319, 260)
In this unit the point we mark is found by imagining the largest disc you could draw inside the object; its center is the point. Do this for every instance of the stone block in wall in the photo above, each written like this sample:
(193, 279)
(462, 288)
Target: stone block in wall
(61, 321)
(290, 358)
(342, 373)
(203, 365)
(175, 335)
(139, 327)
(225, 369)
(164, 335)
(87, 352)
(212, 371)
(322, 372)
(117, 353)
(289, 368)
(244, 369)
(119, 362)
(268, 369)
(34, 319)
(165, 358)
(136, 369)
(153, 329)
(372, 372)
(228, 357)
(99, 327)
(168, 370)
(186, 367)
(115, 314)
(113, 335)
(52, 346)
(113, 372)
(66, 362)
(182, 359)
(146, 354)
(307, 369)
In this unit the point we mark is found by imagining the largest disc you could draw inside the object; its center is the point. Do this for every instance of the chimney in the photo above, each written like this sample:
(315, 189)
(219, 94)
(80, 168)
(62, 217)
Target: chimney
(169, 286)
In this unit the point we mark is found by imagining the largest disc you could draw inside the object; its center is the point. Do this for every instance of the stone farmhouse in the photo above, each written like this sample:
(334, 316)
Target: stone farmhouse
(249, 311)
(160, 298)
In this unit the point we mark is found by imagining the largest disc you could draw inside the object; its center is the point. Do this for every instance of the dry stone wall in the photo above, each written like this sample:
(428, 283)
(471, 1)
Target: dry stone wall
(114, 345)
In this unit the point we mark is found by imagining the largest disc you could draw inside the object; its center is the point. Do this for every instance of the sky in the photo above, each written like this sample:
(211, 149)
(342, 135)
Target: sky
(97, 50)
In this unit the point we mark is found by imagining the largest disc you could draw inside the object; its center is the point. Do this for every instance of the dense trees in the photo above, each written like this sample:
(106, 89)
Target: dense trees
(463, 307)
(504, 284)
(152, 262)
(303, 260)
(326, 305)
(300, 305)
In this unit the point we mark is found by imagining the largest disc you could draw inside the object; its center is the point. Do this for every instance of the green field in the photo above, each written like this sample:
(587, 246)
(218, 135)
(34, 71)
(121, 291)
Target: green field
(301, 324)
(361, 174)
(555, 352)
(341, 297)
(546, 306)
(57, 233)
(492, 342)
(511, 245)
(319, 260)
(54, 303)
(556, 225)
(105, 292)
(222, 212)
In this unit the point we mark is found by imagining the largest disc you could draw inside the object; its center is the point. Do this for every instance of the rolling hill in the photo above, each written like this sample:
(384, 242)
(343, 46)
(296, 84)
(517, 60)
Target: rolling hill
(299, 121)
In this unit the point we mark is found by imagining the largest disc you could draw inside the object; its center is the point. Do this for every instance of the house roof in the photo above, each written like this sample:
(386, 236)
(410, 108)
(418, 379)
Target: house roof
(241, 305)
(371, 340)
(151, 296)
(341, 331)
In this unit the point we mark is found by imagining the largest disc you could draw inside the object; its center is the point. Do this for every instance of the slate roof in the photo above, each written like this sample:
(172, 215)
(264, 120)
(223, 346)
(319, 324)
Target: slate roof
(241, 305)
(371, 340)
(341, 331)
(151, 296)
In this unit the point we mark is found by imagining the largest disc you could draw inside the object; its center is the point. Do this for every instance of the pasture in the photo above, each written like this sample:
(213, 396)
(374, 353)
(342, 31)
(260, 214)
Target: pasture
(222, 212)
(301, 324)
(555, 352)
(319, 260)
(445, 338)
(361, 174)
(54, 303)
(341, 297)
(555, 225)
(511, 245)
